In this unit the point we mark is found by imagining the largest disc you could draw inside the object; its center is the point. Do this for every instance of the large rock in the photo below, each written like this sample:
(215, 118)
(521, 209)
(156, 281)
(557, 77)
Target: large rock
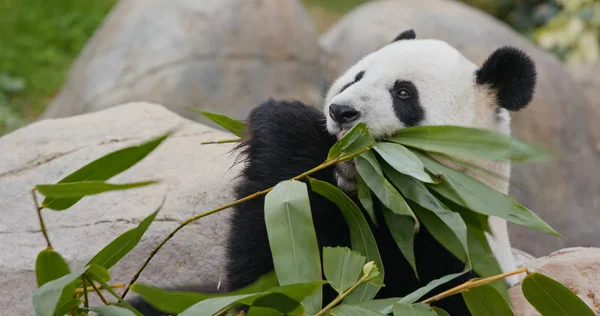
(576, 268)
(194, 178)
(587, 76)
(224, 56)
(563, 192)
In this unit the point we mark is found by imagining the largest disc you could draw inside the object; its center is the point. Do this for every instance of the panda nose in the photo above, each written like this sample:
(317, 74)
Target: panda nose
(343, 113)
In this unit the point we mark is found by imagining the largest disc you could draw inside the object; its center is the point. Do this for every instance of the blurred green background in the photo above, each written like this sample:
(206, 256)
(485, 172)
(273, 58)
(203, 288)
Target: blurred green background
(39, 40)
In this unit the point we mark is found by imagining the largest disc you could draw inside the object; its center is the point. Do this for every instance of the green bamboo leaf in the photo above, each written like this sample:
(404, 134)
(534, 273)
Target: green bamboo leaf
(357, 139)
(417, 294)
(445, 226)
(292, 237)
(361, 237)
(105, 168)
(413, 310)
(236, 127)
(342, 267)
(352, 310)
(551, 298)
(402, 230)
(364, 196)
(285, 298)
(111, 310)
(380, 305)
(483, 259)
(65, 308)
(468, 142)
(481, 198)
(485, 300)
(46, 298)
(175, 302)
(50, 266)
(440, 312)
(85, 188)
(122, 245)
(100, 273)
(403, 160)
(263, 311)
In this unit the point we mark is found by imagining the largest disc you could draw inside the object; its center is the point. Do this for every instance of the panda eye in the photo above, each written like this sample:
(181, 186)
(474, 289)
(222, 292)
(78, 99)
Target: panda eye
(403, 93)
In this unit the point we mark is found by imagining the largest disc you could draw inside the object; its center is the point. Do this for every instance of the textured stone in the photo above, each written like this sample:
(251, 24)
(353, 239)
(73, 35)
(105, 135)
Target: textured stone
(576, 268)
(563, 192)
(194, 178)
(223, 56)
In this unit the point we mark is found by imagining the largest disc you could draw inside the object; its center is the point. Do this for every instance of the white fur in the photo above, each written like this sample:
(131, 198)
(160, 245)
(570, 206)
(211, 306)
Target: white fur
(445, 81)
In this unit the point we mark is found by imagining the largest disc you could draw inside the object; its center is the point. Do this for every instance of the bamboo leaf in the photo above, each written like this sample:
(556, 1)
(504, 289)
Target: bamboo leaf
(445, 226)
(364, 196)
(85, 188)
(47, 297)
(285, 299)
(353, 310)
(342, 267)
(357, 139)
(440, 312)
(551, 298)
(65, 308)
(50, 266)
(292, 237)
(236, 127)
(122, 245)
(485, 300)
(175, 302)
(105, 168)
(468, 142)
(413, 310)
(482, 258)
(402, 230)
(361, 237)
(481, 198)
(111, 310)
(403, 160)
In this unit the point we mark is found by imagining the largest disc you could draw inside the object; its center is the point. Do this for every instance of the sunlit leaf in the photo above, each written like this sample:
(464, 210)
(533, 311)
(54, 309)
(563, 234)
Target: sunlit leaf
(551, 298)
(122, 245)
(468, 142)
(403, 160)
(481, 198)
(234, 126)
(105, 168)
(50, 266)
(361, 237)
(176, 302)
(357, 139)
(413, 310)
(292, 237)
(342, 267)
(85, 188)
(485, 300)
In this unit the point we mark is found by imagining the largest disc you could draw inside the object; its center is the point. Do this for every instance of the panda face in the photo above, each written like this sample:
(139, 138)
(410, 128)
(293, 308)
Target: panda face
(406, 83)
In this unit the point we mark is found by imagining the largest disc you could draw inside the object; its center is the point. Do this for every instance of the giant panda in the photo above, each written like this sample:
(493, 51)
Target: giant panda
(408, 82)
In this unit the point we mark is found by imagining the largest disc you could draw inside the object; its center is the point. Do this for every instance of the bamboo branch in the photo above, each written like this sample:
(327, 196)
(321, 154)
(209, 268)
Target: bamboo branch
(38, 209)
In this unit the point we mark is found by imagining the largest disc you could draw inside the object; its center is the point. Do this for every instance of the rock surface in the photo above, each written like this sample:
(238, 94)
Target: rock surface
(224, 56)
(587, 76)
(576, 268)
(194, 178)
(563, 192)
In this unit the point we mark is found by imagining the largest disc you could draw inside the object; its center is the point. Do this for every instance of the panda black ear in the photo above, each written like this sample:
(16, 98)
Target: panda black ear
(406, 35)
(511, 73)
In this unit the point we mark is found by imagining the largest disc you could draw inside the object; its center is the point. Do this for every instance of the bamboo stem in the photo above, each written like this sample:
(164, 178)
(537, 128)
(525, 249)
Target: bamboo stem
(38, 209)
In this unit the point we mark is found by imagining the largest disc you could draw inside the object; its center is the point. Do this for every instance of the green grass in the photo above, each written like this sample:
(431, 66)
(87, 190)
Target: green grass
(38, 41)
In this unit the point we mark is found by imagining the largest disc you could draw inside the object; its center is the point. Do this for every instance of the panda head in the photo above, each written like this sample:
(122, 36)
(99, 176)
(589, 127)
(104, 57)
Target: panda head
(412, 82)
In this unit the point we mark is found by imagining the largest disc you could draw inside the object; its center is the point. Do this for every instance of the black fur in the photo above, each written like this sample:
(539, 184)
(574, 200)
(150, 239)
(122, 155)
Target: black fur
(408, 110)
(406, 35)
(511, 73)
(357, 78)
(284, 139)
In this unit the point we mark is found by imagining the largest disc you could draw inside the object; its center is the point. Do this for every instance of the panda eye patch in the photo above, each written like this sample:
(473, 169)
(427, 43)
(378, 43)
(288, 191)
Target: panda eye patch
(357, 78)
(402, 90)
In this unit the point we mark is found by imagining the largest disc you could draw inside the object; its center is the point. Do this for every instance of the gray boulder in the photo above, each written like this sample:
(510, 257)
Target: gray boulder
(194, 178)
(223, 56)
(563, 192)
